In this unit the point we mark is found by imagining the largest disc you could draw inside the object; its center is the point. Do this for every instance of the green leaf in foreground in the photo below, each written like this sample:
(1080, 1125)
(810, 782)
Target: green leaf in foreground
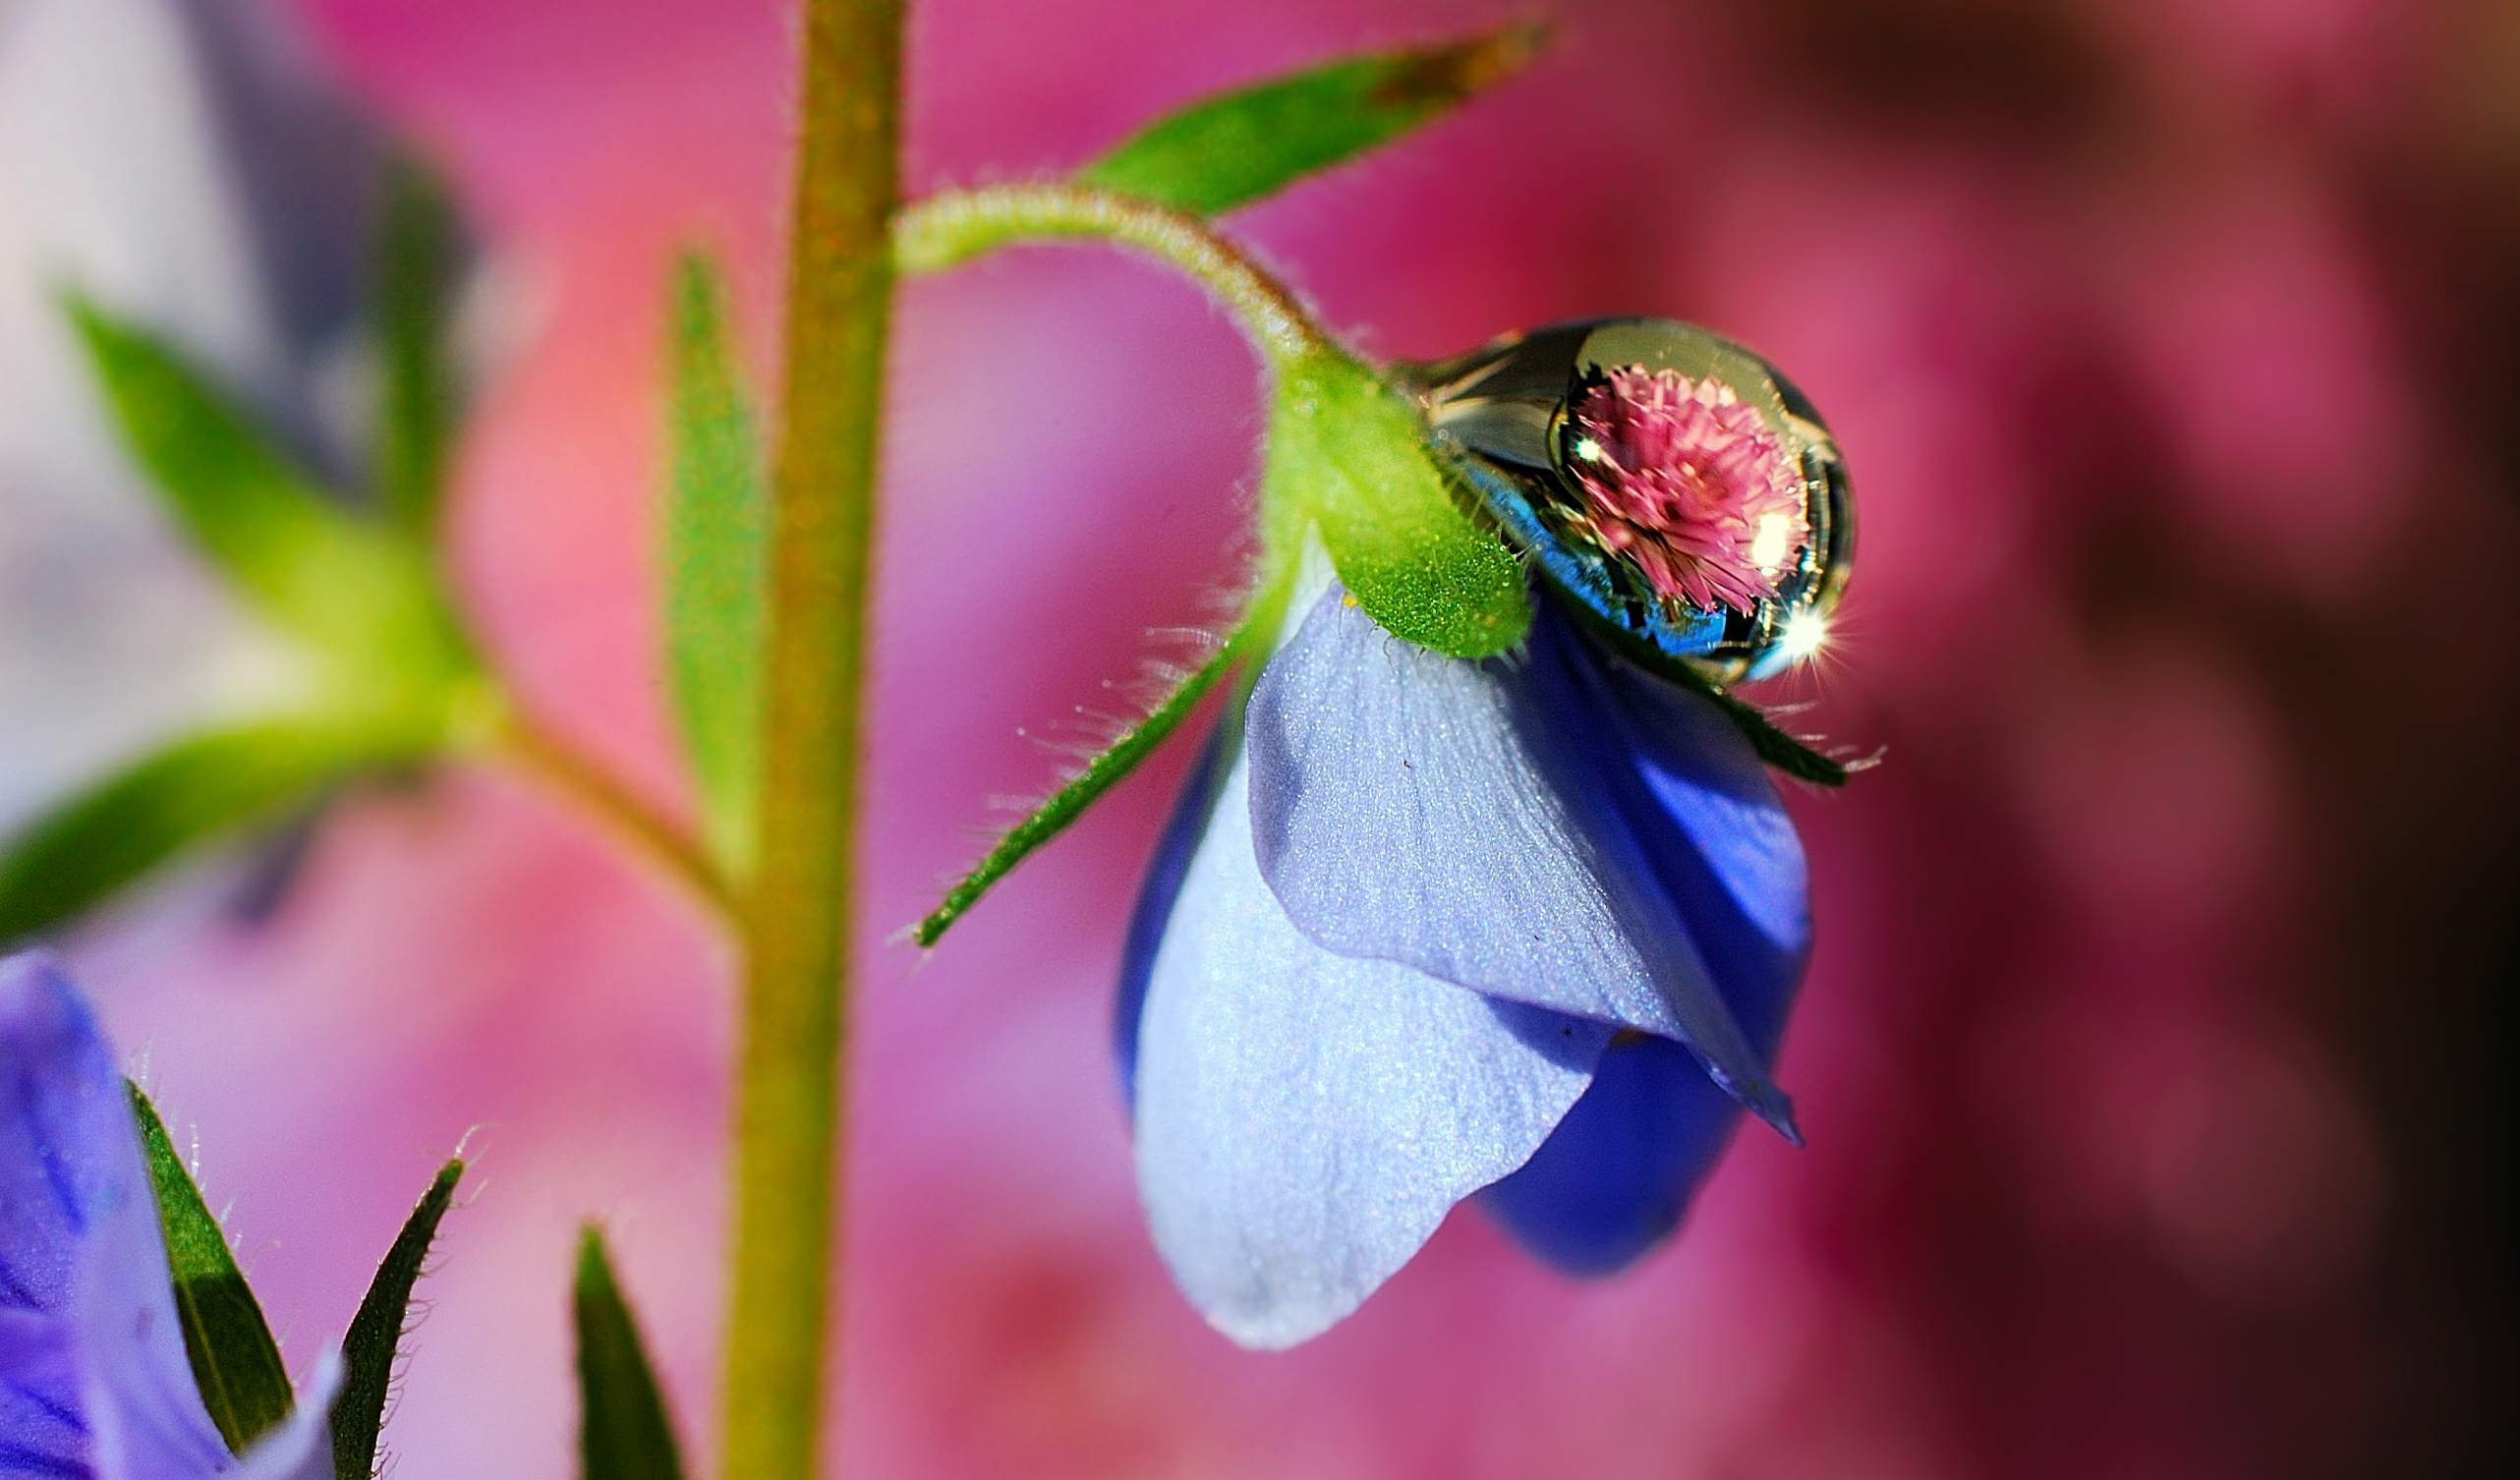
(1070, 802)
(717, 554)
(624, 1432)
(1347, 452)
(1236, 147)
(375, 1334)
(312, 568)
(199, 790)
(419, 253)
(234, 1362)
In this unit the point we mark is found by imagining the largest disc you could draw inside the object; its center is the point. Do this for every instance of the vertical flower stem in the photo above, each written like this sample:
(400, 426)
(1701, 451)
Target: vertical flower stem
(796, 934)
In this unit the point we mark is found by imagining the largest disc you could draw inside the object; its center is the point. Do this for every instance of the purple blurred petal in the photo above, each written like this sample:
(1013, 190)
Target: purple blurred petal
(91, 1361)
(1464, 819)
(1306, 1120)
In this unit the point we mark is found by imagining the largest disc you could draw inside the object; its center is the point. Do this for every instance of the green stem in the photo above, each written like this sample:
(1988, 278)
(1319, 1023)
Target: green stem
(796, 925)
(950, 229)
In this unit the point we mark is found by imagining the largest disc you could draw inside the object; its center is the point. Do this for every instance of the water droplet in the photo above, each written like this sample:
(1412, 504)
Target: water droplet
(1671, 485)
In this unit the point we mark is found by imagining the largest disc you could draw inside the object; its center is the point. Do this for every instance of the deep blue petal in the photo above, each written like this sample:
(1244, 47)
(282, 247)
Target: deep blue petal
(1155, 898)
(1616, 1177)
(1475, 821)
(91, 1361)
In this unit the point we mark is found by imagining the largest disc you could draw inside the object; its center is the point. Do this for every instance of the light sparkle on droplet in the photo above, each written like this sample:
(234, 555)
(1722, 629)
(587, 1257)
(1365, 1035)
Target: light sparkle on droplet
(1803, 636)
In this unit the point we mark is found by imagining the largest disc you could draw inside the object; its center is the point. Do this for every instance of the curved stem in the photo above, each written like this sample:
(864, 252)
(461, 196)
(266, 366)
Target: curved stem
(949, 229)
(569, 772)
(796, 923)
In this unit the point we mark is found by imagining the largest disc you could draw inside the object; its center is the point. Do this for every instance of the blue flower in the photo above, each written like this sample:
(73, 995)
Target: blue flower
(94, 1384)
(1422, 928)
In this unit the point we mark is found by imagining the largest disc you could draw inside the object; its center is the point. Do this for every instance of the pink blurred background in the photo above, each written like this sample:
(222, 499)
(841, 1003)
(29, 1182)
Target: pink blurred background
(2145, 1059)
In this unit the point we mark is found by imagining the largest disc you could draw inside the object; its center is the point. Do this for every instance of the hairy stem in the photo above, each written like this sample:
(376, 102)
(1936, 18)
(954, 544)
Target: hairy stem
(950, 229)
(796, 932)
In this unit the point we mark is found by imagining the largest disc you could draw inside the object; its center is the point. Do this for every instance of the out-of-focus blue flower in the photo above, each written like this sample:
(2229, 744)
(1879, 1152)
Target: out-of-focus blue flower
(94, 1384)
(1424, 928)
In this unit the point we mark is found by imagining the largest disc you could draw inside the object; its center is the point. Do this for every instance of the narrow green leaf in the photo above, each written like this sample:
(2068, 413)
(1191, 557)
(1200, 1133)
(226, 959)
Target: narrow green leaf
(1772, 745)
(310, 567)
(197, 790)
(625, 1433)
(234, 1362)
(418, 253)
(717, 561)
(374, 1339)
(1070, 802)
(1236, 147)
(1351, 455)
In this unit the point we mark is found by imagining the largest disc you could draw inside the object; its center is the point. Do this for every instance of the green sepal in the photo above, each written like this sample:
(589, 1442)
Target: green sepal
(717, 543)
(624, 1432)
(197, 790)
(1068, 803)
(236, 1365)
(374, 1342)
(1235, 148)
(341, 585)
(1350, 454)
(1771, 743)
(419, 254)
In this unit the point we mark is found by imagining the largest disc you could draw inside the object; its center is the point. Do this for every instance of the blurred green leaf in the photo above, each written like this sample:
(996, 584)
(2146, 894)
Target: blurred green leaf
(715, 550)
(309, 566)
(375, 1340)
(234, 1362)
(1236, 147)
(625, 1433)
(1070, 802)
(199, 790)
(1351, 454)
(419, 248)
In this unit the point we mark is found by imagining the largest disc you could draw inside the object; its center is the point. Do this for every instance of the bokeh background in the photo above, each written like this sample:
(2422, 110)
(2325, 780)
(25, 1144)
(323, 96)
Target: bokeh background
(2147, 1061)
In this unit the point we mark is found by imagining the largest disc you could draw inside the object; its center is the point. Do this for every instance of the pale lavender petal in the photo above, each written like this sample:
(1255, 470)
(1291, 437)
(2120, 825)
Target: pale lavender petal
(1154, 896)
(1306, 1120)
(1462, 818)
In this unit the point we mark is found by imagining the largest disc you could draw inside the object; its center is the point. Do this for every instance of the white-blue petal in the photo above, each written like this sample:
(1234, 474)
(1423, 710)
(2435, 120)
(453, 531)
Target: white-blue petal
(1462, 818)
(1306, 1120)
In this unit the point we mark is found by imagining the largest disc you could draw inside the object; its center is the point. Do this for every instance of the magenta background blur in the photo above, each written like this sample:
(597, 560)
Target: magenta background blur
(2145, 1057)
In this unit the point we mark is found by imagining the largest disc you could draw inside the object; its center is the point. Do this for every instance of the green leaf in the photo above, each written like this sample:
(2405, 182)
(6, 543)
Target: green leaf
(197, 790)
(375, 1340)
(1236, 147)
(1773, 745)
(717, 561)
(234, 1362)
(420, 252)
(1070, 802)
(1351, 454)
(334, 581)
(625, 1434)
